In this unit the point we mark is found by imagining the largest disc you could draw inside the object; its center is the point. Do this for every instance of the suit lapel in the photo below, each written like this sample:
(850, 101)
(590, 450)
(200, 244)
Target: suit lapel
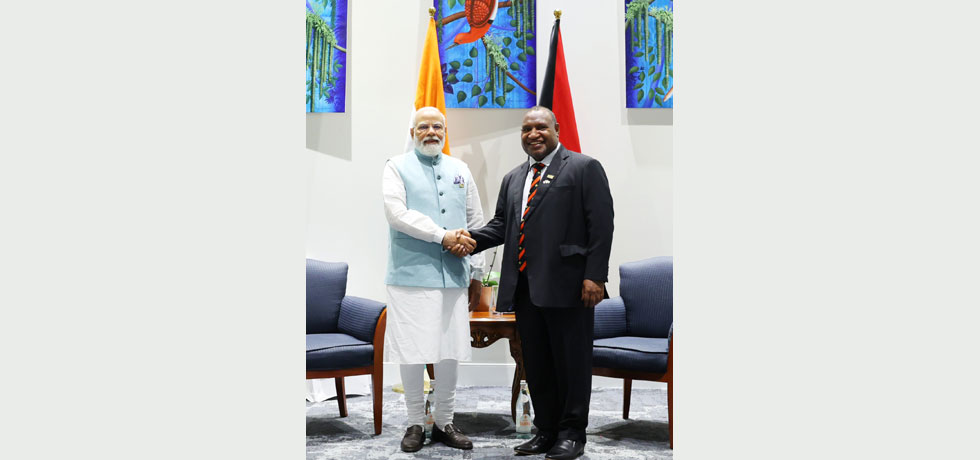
(517, 193)
(547, 177)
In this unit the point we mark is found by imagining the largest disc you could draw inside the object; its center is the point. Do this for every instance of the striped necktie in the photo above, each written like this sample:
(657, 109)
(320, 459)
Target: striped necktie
(538, 167)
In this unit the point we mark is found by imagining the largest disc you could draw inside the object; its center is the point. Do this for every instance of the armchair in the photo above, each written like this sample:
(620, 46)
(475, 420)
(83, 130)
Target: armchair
(633, 333)
(344, 334)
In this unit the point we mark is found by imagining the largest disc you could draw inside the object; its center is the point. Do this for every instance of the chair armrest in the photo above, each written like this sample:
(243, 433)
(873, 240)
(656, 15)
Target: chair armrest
(359, 317)
(610, 319)
(379, 339)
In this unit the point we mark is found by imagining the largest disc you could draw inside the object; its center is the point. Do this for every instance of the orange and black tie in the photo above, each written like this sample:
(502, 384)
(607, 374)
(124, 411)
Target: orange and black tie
(538, 167)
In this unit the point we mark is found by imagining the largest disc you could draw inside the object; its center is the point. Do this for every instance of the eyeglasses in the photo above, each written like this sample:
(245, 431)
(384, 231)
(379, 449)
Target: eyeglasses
(424, 127)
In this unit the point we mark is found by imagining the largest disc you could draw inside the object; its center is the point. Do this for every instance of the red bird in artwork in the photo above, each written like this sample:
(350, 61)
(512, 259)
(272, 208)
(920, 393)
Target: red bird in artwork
(480, 15)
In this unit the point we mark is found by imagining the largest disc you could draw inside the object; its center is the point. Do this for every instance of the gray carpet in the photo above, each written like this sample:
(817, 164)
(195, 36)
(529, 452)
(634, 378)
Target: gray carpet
(483, 413)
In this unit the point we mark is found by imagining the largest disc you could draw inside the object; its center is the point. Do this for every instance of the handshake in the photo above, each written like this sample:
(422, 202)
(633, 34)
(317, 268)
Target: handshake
(458, 242)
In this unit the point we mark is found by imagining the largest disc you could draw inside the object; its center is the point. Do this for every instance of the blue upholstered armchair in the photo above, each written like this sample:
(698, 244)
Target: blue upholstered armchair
(633, 335)
(344, 334)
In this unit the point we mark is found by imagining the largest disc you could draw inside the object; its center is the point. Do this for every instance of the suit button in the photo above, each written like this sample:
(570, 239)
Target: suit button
(443, 211)
(438, 177)
(440, 193)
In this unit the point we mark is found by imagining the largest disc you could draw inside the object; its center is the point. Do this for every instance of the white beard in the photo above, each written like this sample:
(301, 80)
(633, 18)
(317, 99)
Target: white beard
(430, 150)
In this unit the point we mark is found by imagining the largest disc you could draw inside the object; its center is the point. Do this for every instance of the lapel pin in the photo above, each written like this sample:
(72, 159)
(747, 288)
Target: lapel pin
(551, 176)
(546, 181)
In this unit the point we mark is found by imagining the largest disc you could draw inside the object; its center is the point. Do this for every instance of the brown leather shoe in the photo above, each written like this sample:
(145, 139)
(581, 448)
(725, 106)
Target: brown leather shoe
(451, 436)
(414, 437)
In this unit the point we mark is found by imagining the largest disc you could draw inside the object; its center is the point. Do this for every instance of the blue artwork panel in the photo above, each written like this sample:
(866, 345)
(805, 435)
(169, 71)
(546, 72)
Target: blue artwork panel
(326, 55)
(487, 49)
(649, 53)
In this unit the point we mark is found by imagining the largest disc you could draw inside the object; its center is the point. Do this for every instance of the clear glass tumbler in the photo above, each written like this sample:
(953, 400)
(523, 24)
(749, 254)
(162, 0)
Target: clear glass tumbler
(493, 301)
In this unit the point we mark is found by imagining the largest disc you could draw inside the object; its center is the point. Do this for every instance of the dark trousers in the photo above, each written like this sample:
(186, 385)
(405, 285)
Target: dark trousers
(557, 348)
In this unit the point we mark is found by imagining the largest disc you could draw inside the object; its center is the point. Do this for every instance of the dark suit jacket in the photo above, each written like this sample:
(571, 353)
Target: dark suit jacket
(567, 232)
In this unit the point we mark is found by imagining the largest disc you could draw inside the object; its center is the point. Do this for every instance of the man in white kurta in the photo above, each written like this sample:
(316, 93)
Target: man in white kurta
(428, 198)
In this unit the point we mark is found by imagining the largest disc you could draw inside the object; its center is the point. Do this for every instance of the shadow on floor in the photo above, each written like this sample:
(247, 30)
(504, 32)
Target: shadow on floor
(636, 430)
(481, 424)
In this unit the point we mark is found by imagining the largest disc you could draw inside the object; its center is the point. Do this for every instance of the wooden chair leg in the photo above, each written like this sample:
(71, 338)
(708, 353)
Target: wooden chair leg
(376, 392)
(341, 396)
(670, 409)
(627, 389)
(670, 388)
(431, 369)
(515, 390)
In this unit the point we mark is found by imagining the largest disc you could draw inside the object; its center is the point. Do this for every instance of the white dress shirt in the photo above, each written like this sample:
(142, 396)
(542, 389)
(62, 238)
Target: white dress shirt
(530, 174)
(420, 226)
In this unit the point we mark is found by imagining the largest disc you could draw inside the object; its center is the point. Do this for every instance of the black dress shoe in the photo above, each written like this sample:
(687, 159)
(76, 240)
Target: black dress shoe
(539, 444)
(451, 436)
(414, 437)
(566, 449)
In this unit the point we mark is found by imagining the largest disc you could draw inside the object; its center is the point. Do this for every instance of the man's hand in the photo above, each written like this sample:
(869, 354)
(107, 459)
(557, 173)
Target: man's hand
(592, 292)
(449, 239)
(476, 288)
(462, 245)
(458, 242)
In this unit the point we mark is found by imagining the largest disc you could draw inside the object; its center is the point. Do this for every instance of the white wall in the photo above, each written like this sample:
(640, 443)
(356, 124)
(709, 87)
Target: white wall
(348, 151)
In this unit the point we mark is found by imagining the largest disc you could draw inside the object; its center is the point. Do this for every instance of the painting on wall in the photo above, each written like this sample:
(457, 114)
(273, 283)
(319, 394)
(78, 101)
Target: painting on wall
(487, 50)
(326, 55)
(650, 53)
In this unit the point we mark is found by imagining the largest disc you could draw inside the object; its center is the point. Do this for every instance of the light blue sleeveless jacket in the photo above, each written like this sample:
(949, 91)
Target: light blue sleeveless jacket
(435, 187)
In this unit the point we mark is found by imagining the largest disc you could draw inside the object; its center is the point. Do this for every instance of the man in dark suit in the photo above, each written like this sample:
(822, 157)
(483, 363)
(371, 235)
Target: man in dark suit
(555, 217)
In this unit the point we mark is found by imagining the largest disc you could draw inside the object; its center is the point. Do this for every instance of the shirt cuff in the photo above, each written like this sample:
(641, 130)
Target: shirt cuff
(439, 236)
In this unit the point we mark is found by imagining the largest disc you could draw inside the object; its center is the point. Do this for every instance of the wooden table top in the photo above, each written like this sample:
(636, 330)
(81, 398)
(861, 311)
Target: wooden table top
(485, 316)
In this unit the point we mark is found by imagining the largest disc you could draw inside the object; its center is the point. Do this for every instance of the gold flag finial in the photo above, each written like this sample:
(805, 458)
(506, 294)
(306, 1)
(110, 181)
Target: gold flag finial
(432, 12)
(557, 14)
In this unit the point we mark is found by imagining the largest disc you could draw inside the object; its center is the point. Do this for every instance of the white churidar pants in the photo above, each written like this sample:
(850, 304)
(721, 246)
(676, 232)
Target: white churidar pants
(444, 391)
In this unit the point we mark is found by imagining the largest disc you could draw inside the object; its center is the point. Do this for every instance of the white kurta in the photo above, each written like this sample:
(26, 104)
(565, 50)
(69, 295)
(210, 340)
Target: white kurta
(427, 325)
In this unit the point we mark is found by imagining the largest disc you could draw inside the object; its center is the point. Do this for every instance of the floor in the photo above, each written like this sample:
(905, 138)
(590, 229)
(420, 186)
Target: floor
(483, 413)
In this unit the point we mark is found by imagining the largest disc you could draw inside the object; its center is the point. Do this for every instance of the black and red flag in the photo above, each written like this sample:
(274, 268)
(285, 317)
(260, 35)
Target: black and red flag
(555, 92)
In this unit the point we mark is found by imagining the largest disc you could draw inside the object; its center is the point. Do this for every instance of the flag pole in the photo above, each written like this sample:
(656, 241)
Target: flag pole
(432, 12)
(557, 14)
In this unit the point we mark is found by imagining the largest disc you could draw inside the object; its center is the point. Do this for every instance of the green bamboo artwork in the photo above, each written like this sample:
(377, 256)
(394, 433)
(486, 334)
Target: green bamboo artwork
(326, 38)
(650, 59)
